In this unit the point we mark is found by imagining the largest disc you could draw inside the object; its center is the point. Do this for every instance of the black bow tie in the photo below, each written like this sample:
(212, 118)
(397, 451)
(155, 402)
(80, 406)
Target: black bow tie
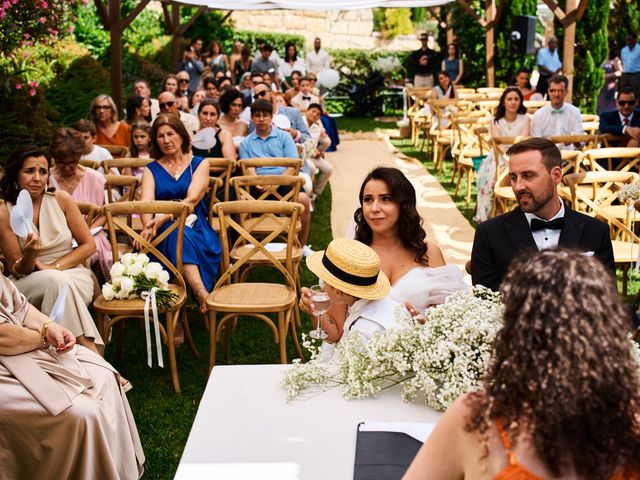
(556, 224)
(306, 98)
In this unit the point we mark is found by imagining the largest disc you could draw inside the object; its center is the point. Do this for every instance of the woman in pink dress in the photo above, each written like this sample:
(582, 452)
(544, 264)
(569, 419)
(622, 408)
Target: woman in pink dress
(83, 184)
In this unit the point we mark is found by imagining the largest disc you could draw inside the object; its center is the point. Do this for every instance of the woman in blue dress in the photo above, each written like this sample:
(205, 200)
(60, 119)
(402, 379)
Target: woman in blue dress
(178, 175)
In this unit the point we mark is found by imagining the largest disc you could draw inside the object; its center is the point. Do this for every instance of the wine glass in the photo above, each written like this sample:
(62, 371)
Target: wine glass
(321, 303)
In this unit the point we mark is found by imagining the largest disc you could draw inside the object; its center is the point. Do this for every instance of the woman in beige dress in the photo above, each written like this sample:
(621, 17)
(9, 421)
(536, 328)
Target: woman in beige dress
(62, 411)
(42, 263)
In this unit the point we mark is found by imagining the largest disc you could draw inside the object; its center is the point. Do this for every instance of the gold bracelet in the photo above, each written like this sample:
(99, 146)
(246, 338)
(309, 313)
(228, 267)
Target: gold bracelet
(43, 333)
(14, 268)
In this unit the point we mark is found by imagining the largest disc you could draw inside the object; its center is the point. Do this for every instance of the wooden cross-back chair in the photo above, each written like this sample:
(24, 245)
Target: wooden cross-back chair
(129, 163)
(92, 164)
(595, 193)
(90, 211)
(123, 188)
(503, 196)
(416, 98)
(628, 158)
(116, 151)
(533, 105)
(283, 188)
(222, 168)
(215, 184)
(580, 142)
(441, 132)
(120, 310)
(231, 298)
(466, 145)
(295, 164)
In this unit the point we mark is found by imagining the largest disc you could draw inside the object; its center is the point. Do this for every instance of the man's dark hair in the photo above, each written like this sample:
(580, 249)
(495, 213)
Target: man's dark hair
(316, 106)
(267, 47)
(141, 80)
(559, 79)
(208, 80)
(189, 48)
(261, 106)
(86, 126)
(627, 91)
(296, 72)
(551, 156)
(256, 73)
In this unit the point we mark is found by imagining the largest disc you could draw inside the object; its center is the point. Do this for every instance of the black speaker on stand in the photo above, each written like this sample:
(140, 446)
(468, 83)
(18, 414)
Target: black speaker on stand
(523, 34)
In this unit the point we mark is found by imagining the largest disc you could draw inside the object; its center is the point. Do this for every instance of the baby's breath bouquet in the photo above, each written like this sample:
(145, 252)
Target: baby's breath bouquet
(629, 193)
(133, 275)
(436, 361)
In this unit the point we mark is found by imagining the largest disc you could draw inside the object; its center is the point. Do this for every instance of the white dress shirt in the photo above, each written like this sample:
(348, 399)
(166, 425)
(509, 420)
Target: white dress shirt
(546, 238)
(317, 61)
(566, 120)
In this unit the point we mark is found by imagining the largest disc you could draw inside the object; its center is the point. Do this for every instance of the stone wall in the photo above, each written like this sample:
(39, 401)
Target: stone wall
(337, 29)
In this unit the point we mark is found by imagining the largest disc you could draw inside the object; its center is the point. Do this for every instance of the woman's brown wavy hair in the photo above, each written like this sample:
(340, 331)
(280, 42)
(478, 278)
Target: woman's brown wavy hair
(409, 222)
(562, 367)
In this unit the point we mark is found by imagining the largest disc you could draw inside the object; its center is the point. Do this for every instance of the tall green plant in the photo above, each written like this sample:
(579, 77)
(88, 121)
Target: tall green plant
(506, 61)
(590, 53)
(470, 38)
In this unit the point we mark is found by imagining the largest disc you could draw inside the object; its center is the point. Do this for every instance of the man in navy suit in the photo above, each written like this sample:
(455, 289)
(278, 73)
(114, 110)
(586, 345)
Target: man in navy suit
(625, 121)
(542, 220)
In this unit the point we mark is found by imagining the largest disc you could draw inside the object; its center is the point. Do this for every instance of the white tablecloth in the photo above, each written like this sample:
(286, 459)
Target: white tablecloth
(245, 429)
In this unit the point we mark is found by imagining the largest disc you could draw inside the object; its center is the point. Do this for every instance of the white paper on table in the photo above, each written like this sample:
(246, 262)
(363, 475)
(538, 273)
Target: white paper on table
(275, 247)
(94, 231)
(418, 430)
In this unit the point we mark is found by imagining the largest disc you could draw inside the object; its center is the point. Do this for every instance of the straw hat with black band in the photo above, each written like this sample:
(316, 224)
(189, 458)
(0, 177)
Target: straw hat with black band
(350, 267)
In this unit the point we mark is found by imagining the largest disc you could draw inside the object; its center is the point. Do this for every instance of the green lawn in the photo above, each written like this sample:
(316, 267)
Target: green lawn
(164, 418)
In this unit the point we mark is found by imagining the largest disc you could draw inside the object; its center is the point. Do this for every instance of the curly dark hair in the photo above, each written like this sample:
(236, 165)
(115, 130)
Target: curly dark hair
(409, 222)
(501, 110)
(227, 98)
(562, 368)
(9, 182)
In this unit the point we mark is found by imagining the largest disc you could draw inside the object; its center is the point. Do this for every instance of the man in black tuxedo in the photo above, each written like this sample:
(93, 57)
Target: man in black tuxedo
(542, 221)
(625, 121)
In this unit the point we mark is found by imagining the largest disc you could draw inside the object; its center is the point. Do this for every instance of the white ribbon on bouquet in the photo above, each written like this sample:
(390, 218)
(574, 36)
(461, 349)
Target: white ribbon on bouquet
(150, 300)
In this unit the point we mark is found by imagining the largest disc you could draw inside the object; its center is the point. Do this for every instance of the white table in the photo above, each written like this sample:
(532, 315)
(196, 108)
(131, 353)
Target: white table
(245, 429)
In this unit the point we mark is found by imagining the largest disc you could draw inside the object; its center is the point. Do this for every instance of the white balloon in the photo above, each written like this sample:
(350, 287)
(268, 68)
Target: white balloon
(329, 78)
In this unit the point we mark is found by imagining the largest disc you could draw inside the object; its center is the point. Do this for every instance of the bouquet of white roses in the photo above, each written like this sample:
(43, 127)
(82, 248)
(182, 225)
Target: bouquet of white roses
(387, 64)
(438, 360)
(135, 274)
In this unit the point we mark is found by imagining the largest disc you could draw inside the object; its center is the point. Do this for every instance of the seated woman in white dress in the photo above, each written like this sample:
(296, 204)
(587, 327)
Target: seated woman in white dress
(510, 120)
(352, 279)
(63, 413)
(389, 223)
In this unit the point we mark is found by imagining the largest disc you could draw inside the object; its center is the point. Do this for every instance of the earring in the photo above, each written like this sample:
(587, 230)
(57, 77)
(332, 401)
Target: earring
(15, 185)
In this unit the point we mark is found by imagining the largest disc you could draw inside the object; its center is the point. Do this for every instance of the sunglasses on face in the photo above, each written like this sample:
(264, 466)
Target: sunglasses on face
(260, 94)
(629, 103)
(102, 107)
(167, 104)
(183, 80)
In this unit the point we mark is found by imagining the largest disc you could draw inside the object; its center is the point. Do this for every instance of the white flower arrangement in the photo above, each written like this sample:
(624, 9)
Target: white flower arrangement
(387, 64)
(135, 274)
(436, 361)
(308, 149)
(629, 192)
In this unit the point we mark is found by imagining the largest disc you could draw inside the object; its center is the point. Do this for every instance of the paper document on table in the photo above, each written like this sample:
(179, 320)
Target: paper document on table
(384, 450)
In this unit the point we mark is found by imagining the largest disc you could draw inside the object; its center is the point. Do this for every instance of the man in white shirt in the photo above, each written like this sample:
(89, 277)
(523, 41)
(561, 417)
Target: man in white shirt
(141, 87)
(317, 59)
(169, 105)
(630, 56)
(559, 118)
(321, 143)
(549, 64)
(92, 151)
(304, 98)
